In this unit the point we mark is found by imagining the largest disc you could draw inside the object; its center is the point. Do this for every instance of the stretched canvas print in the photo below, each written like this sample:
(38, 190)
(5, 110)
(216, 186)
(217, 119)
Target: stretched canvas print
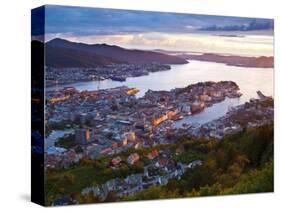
(136, 105)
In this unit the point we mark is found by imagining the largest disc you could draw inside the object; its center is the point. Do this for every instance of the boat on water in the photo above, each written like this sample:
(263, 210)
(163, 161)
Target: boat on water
(116, 78)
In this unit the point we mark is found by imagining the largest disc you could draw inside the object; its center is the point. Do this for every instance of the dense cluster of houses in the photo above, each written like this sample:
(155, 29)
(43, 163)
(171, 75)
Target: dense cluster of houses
(252, 114)
(61, 159)
(117, 72)
(111, 121)
(159, 171)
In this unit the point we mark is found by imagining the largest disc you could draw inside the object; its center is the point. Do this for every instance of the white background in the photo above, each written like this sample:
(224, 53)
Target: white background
(15, 104)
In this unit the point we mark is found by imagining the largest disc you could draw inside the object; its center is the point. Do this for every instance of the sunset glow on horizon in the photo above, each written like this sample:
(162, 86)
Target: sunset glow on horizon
(257, 45)
(165, 31)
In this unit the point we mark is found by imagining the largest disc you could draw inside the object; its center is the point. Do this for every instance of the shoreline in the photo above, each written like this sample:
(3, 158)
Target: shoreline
(115, 72)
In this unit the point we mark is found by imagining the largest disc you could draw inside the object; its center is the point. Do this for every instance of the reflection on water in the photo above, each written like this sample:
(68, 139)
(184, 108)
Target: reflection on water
(250, 80)
(210, 113)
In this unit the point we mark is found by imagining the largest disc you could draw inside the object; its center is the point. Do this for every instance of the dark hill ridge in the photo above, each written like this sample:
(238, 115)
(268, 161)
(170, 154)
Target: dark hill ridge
(63, 53)
(61, 57)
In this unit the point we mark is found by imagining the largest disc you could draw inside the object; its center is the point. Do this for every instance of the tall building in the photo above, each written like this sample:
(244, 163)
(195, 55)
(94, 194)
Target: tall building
(82, 136)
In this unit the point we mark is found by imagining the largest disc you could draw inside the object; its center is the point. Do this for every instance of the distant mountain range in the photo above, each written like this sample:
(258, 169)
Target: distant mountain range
(256, 62)
(62, 53)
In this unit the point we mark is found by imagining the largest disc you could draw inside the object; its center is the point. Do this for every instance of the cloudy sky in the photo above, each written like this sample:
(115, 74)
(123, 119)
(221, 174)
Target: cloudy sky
(155, 30)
